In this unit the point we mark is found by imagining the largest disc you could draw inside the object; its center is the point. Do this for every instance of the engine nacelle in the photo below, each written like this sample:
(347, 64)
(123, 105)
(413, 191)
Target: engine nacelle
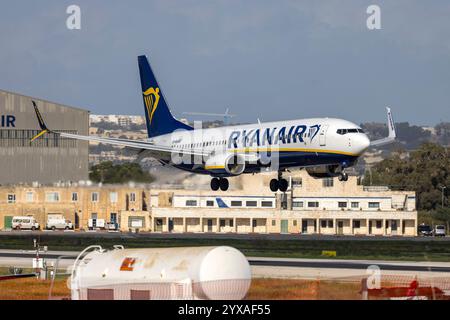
(233, 164)
(321, 172)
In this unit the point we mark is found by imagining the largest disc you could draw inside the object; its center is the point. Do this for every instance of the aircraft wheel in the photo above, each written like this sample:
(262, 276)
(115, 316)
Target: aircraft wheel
(283, 185)
(274, 185)
(224, 184)
(215, 184)
(343, 177)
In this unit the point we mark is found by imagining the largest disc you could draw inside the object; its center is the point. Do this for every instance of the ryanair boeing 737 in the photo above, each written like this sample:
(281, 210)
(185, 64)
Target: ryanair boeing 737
(324, 146)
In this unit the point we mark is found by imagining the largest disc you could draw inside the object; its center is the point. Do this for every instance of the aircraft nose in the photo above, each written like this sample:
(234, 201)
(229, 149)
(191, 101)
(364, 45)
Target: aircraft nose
(362, 142)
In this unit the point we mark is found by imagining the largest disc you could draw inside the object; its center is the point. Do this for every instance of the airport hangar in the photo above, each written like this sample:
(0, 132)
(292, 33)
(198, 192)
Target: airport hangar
(49, 159)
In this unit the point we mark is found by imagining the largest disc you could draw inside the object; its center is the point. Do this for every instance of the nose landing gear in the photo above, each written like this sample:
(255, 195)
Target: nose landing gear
(222, 184)
(279, 184)
(343, 177)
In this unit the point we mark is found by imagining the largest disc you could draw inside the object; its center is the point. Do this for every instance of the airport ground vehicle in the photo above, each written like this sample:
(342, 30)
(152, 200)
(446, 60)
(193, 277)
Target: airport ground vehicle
(25, 223)
(439, 231)
(424, 230)
(58, 222)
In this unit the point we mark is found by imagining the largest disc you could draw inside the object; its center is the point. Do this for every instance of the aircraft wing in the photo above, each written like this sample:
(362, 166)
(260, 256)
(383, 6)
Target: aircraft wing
(392, 134)
(141, 145)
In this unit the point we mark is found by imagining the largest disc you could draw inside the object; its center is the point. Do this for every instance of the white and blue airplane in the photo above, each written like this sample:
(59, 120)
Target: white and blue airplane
(325, 147)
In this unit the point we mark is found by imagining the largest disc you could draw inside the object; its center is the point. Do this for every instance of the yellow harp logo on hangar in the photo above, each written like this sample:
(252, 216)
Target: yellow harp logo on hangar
(151, 99)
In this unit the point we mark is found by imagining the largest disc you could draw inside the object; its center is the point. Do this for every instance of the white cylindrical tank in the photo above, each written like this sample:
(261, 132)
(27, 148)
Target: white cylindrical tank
(163, 273)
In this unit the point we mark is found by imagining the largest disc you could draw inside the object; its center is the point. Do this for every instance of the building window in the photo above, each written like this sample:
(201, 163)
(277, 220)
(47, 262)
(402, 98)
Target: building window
(113, 197)
(210, 203)
(328, 182)
(313, 204)
(323, 223)
(236, 203)
(297, 182)
(356, 224)
(342, 204)
(222, 223)
(231, 223)
(254, 223)
(30, 197)
(330, 223)
(355, 205)
(191, 203)
(379, 224)
(297, 204)
(132, 197)
(52, 197)
(251, 203)
(274, 223)
(74, 197)
(267, 204)
(374, 205)
(294, 223)
(94, 196)
(11, 198)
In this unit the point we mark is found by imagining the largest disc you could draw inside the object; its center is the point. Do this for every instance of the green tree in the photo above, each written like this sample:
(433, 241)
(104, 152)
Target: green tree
(425, 171)
(107, 172)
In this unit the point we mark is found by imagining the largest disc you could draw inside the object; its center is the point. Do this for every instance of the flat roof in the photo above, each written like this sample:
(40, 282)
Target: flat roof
(44, 100)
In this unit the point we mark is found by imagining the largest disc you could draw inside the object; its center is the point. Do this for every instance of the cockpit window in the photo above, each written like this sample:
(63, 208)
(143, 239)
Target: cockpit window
(345, 131)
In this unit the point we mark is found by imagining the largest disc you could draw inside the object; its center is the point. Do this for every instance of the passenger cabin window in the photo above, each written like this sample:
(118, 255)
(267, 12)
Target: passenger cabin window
(355, 205)
(210, 203)
(345, 131)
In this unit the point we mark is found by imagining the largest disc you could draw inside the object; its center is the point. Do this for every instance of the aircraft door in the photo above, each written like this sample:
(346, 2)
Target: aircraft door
(323, 135)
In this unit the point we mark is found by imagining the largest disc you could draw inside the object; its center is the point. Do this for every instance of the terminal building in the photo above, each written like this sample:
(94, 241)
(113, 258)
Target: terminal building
(49, 159)
(310, 206)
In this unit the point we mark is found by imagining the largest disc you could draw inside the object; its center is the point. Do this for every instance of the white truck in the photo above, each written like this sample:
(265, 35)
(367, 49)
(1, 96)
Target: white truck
(58, 223)
(95, 224)
(25, 223)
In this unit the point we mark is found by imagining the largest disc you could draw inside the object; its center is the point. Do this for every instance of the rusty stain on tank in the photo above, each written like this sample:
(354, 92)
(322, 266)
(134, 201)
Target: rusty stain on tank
(150, 262)
(182, 266)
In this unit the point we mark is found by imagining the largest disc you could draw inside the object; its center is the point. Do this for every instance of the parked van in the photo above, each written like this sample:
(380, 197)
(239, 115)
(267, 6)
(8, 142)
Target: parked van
(439, 231)
(58, 222)
(94, 224)
(24, 223)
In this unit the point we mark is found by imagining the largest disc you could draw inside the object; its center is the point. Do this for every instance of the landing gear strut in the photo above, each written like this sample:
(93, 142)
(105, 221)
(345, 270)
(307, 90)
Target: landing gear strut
(279, 184)
(221, 184)
(343, 176)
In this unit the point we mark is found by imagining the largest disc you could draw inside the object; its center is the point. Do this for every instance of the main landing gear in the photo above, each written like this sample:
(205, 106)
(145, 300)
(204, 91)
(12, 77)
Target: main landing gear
(219, 183)
(343, 176)
(279, 184)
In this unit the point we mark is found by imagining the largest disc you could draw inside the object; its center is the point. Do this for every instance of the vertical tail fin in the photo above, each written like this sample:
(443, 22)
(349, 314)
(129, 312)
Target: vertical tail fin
(157, 113)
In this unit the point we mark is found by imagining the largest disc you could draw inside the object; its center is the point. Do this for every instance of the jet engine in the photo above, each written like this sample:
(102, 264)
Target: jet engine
(233, 164)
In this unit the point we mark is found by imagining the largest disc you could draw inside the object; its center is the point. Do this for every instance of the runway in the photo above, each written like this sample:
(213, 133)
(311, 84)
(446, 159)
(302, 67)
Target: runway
(271, 267)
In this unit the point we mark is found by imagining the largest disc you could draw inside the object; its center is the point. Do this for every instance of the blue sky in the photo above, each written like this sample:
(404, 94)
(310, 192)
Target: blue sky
(269, 59)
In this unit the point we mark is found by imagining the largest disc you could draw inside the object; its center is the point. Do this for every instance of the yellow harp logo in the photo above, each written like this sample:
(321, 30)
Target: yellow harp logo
(151, 99)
